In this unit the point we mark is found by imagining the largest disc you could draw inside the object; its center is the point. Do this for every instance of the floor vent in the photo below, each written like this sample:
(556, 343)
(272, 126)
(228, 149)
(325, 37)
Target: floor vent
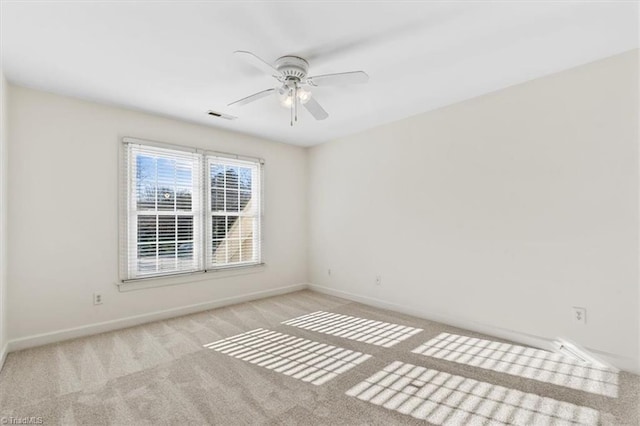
(575, 351)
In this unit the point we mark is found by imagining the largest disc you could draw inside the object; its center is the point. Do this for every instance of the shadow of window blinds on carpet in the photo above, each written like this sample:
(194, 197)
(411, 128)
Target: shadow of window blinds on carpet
(446, 399)
(360, 329)
(530, 363)
(299, 358)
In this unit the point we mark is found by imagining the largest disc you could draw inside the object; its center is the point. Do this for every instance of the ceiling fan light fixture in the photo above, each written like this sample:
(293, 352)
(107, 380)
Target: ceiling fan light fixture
(286, 98)
(304, 95)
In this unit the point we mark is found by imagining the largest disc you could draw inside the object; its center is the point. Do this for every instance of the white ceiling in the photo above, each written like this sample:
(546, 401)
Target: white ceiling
(175, 58)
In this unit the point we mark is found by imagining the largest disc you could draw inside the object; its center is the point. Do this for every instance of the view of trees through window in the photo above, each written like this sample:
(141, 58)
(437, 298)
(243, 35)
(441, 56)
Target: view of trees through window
(165, 212)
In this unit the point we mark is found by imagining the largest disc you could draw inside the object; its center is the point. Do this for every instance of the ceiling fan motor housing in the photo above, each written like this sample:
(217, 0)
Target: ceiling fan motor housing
(292, 67)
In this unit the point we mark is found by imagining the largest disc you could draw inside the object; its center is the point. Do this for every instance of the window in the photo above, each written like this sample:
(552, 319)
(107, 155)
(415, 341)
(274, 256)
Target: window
(233, 212)
(188, 211)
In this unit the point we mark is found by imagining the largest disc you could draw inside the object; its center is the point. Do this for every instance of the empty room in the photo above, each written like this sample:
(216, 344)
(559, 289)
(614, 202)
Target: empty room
(320, 212)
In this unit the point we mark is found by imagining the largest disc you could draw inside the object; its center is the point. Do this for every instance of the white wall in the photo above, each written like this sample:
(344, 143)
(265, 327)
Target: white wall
(63, 216)
(499, 213)
(3, 214)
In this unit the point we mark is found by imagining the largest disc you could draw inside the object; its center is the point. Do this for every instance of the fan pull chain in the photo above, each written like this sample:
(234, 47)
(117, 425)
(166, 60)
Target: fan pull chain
(296, 101)
(290, 93)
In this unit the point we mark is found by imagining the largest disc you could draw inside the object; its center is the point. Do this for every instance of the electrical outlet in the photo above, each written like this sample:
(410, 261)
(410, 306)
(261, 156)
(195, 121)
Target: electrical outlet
(97, 298)
(378, 280)
(579, 315)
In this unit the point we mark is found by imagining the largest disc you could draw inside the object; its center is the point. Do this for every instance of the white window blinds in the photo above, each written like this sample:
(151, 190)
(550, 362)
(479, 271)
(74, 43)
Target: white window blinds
(187, 211)
(233, 212)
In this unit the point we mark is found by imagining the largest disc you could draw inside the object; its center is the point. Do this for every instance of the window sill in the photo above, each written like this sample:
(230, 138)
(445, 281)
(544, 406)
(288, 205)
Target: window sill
(163, 281)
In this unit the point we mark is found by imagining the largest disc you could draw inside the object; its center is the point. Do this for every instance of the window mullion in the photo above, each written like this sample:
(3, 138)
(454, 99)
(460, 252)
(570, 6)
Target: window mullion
(175, 217)
(205, 197)
(155, 198)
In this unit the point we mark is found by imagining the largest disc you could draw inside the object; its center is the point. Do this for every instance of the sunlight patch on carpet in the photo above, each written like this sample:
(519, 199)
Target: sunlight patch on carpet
(293, 356)
(521, 361)
(445, 399)
(360, 329)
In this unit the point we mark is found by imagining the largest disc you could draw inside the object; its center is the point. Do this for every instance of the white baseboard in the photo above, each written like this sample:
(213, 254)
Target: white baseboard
(621, 362)
(101, 327)
(3, 355)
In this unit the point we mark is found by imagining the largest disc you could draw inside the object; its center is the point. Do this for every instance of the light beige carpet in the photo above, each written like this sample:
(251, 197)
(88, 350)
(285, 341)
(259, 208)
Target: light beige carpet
(161, 373)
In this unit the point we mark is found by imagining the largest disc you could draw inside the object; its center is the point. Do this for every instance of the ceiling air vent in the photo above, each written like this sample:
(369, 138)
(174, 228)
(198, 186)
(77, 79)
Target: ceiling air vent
(221, 115)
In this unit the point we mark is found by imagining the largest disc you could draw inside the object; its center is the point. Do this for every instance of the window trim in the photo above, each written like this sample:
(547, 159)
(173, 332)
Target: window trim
(124, 282)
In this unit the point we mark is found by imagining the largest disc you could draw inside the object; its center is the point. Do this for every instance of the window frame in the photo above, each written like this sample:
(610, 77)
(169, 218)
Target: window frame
(201, 218)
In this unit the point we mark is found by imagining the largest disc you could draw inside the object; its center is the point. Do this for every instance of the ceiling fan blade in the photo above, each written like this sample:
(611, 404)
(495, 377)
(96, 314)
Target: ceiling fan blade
(352, 77)
(252, 98)
(257, 62)
(315, 109)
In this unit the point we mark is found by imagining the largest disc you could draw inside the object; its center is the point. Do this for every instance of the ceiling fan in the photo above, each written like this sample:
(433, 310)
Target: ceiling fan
(293, 84)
